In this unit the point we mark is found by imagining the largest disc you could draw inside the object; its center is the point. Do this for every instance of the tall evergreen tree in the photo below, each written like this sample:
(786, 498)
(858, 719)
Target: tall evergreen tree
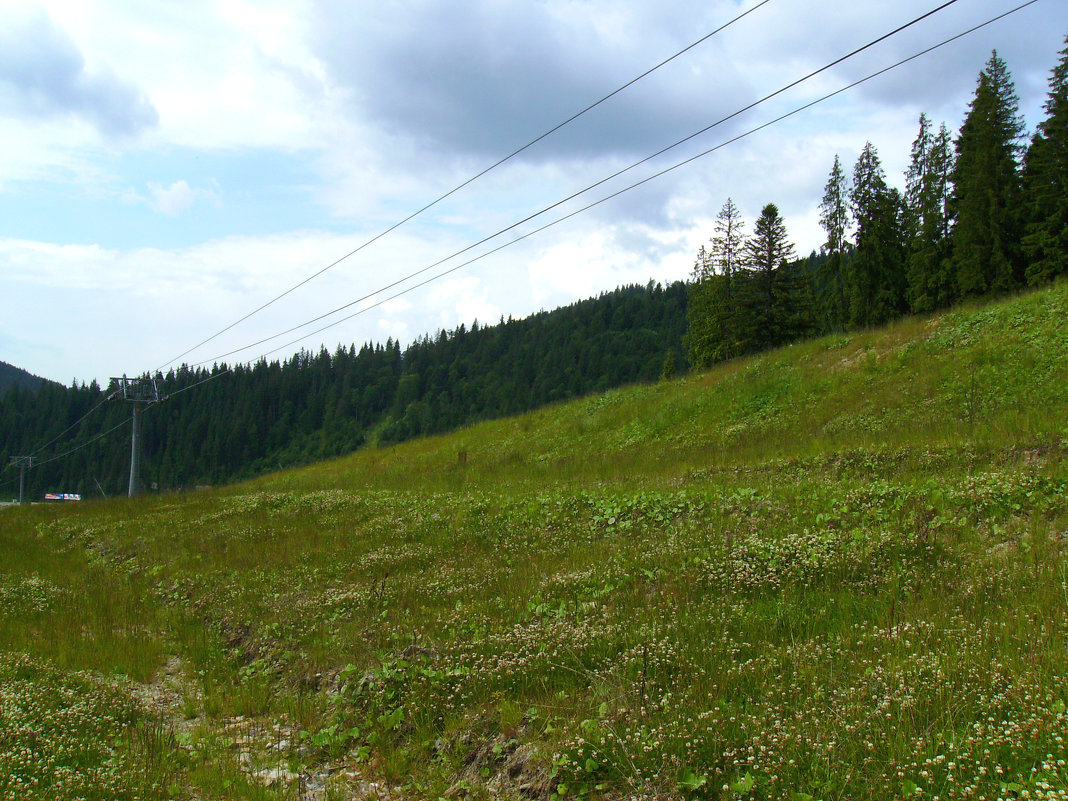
(729, 259)
(943, 161)
(987, 187)
(712, 333)
(727, 244)
(770, 319)
(703, 266)
(704, 295)
(834, 217)
(876, 278)
(918, 203)
(926, 199)
(1045, 242)
(918, 169)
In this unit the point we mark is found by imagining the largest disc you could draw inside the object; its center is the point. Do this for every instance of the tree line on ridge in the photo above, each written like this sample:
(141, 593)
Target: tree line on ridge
(981, 214)
(245, 420)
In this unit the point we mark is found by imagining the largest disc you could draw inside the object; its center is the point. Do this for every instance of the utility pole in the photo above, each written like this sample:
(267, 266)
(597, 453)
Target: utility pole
(139, 393)
(23, 463)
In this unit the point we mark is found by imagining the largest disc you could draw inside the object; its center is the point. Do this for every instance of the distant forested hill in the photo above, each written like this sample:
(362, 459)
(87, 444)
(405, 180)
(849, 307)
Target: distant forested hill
(11, 376)
(252, 419)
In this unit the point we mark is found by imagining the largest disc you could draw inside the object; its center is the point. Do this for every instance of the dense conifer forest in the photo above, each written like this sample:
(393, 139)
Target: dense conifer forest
(981, 214)
(255, 418)
(11, 376)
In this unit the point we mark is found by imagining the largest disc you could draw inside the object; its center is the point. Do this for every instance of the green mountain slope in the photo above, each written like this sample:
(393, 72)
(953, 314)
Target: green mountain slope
(981, 377)
(221, 425)
(11, 376)
(837, 570)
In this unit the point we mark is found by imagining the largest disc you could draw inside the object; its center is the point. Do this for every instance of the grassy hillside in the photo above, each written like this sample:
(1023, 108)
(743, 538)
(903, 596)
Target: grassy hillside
(836, 571)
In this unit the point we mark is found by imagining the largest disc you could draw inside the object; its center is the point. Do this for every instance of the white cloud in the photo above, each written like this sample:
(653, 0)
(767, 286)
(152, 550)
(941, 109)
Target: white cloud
(219, 74)
(397, 330)
(464, 299)
(177, 198)
(395, 306)
(584, 265)
(172, 200)
(390, 106)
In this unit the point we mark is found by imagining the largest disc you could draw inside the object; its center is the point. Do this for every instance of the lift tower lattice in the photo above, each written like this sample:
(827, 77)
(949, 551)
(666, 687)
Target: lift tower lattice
(139, 393)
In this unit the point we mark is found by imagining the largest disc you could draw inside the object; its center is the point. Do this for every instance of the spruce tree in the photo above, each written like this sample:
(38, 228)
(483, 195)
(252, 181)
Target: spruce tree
(728, 256)
(926, 199)
(916, 186)
(876, 278)
(769, 298)
(703, 266)
(702, 338)
(668, 370)
(834, 217)
(727, 243)
(1045, 243)
(868, 182)
(942, 162)
(919, 204)
(987, 187)
(712, 313)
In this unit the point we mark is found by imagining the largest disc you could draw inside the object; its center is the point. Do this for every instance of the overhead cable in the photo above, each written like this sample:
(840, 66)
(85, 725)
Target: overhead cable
(605, 199)
(69, 428)
(72, 426)
(581, 192)
(470, 180)
(654, 176)
(83, 445)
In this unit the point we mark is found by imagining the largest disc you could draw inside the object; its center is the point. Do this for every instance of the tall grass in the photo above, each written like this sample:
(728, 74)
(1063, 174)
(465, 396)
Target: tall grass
(833, 571)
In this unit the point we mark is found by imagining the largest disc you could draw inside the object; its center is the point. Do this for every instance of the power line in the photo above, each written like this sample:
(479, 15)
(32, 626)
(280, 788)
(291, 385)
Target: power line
(38, 462)
(571, 197)
(71, 426)
(605, 199)
(471, 180)
(672, 168)
(85, 444)
(211, 377)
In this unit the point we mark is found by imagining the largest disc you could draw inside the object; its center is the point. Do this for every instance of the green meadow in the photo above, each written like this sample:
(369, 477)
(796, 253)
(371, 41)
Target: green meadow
(834, 571)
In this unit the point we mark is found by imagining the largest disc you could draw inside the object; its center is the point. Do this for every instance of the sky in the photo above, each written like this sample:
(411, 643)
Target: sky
(168, 168)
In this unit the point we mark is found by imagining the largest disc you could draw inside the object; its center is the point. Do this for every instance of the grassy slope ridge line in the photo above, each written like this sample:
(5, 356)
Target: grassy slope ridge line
(982, 377)
(833, 571)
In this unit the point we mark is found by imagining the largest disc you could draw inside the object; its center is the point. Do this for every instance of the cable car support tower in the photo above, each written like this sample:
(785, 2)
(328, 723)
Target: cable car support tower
(139, 393)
